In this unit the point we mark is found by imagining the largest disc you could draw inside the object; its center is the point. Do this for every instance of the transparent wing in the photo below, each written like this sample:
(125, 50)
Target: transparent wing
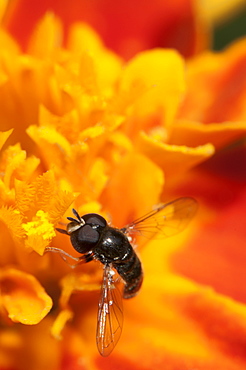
(166, 219)
(110, 314)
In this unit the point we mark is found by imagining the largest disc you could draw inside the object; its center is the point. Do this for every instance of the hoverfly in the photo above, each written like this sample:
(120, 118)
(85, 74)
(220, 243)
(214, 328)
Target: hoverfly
(95, 239)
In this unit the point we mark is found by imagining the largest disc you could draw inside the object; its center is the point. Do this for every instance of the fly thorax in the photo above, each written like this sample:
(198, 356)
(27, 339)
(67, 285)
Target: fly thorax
(113, 246)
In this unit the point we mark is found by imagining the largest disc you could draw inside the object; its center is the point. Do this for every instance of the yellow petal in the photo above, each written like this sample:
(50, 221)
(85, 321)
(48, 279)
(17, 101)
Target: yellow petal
(51, 136)
(15, 157)
(159, 74)
(16, 166)
(23, 297)
(98, 176)
(82, 37)
(104, 67)
(59, 323)
(90, 207)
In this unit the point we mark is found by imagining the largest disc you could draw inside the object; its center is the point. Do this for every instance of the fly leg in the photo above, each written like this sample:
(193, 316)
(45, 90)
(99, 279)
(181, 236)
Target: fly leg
(87, 257)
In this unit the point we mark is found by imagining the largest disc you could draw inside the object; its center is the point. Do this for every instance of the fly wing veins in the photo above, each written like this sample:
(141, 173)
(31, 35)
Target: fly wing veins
(110, 313)
(165, 220)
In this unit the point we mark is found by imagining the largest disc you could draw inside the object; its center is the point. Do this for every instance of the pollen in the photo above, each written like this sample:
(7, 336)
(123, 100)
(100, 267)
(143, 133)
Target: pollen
(40, 226)
(39, 232)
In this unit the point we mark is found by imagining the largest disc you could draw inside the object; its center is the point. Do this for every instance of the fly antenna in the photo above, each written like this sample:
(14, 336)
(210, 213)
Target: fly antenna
(73, 220)
(77, 215)
(62, 231)
(78, 219)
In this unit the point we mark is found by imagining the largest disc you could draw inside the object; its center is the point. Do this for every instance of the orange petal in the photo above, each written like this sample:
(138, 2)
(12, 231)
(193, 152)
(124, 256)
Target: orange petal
(194, 133)
(216, 254)
(55, 143)
(184, 324)
(13, 221)
(178, 24)
(43, 194)
(77, 282)
(46, 38)
(4, 136)
(220, 319)
(173, 159)
(217, 12)
(12, 235)
(144, 181)
(13, 158)
(29, 347)
(71, 283)
(23, 297)
(216, 86)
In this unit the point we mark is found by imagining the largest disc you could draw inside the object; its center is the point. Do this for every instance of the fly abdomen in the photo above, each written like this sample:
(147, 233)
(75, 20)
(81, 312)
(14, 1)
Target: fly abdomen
(132, 273)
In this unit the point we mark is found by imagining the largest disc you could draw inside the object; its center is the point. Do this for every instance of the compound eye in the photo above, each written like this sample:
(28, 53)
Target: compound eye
(88, 235)
(84, 239)
(94, 219)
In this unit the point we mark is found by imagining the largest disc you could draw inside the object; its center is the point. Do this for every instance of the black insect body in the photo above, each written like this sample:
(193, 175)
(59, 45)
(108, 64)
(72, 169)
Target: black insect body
(114, 248)
(91, 236)
(97, 240)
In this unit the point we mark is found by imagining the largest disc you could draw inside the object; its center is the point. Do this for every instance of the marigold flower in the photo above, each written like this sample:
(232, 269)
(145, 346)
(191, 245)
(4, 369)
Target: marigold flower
(82, 127)
(179, 24)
